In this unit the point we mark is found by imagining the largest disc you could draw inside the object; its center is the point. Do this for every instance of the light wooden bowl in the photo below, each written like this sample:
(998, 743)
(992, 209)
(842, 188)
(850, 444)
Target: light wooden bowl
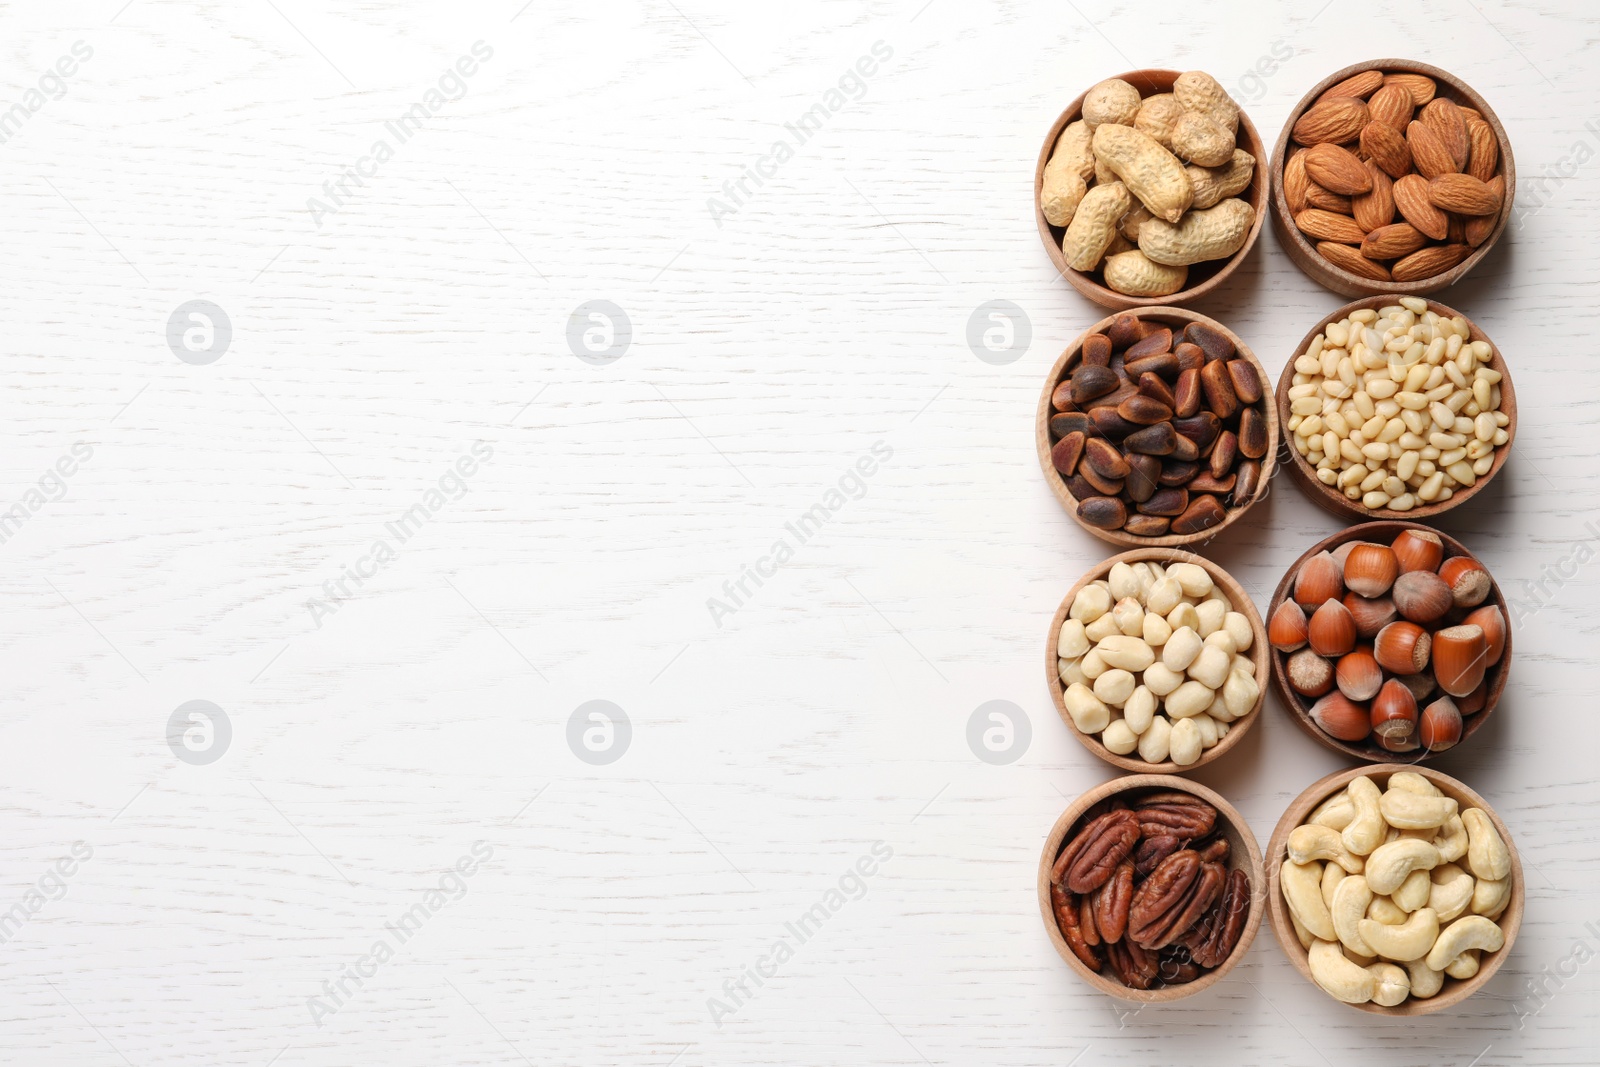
(1334, 501)
(1203, 277)
(1243, 854)
(1455, 990)
(1175, 318)
(1259, 652)
(1299, 706)
(1341, 281)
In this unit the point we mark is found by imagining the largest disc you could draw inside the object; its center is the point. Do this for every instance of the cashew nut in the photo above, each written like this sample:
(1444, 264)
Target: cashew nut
(1301, 932)
(1412, 782)
(1385, 911)
(1450, 890)
(1341, 978)
(1365, 832)
(1463, 966)
(1413, 892)
(1413, 811)
(1487, 855)
(1392, 984)
(1332, 875)
(1490, 896)
(1467, 932)
(1307, 843)
(1302, 891)
(1351, 897)
(1451, 840)
(1411, 940)
(1390, 864)
(1425, 981)
(1335, 812)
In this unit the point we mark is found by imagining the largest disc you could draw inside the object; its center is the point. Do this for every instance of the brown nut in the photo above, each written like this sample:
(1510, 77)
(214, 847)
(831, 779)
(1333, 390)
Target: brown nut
(1166, 889)
(1111, 903)
(1101, 846)
(1152, 850)
(1225, 923)
(1188, 819)
(1065, 906)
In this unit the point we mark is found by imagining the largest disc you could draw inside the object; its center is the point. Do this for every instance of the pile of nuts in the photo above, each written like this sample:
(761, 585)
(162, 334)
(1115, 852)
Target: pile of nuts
(1147, 187)
(1376, 145)
(1393, 641)
(1390, 891)
(1152, 659)
(1147, 889)
(1397, 408)
(1158, 432)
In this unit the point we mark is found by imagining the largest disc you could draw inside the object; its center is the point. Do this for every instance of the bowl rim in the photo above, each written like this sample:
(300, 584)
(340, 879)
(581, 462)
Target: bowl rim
(1160, 80)
(1251, 862)
(1260, 653)
(1455, 990)
(1297, 706)
(1339, 280)
(1058, 484)
(1337, 503)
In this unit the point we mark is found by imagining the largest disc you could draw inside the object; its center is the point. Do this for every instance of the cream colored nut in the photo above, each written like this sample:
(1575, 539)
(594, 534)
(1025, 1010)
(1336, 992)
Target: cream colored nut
(1351, 899)
(1463, 966)
(1466, 933)
(1425, 981)
(1140, 709)
(1061, 188)
(1184, 615)
(1161, 681)
(1072, 674)
(1383, 910)
(1129, 224)
(1103, 175)
(1156, 117)
(1213, 613)
(1071, 643)
(1212, 185)
(1091, 602)
(1156, 742)
(1200, 141)
(1240, 693)
(1219, 639)
(1301, 884)
(1074, 149)
(1413, 892)
(1150, 172)
(1365, 832)
(1115, 686)
(1195, 90)
(1208, 728)
(1244, 665)
(1119, 738)
(1487, 855)
(1336, 811)
(1451, 840)
(1211, 233)
(1092, 226)
(1301, 932)
(1089, 714)
(1238, 628)
(1192, 578)
(1181, 649)
(1411, 940)
(1490, 896)
(1128, 653)
(1190, 698)
(1156, 630)
(1129, 614)
(1389, 865)
(1450, 891)
(1412, 782)
(1414, 811)
(1357, 958)
(1210, 667)
(1112, 100)
(1312, 842)
(1186, 744)
(1119, 245)
(1332, 875)
(1392, 985)
(1165, 594)
(1341, 978)
(1102, 628)
(1092, 665)
(1123, 581)
(1133, 273)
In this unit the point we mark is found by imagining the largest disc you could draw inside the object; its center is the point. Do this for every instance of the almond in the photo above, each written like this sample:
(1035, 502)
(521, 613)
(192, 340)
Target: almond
(1420, 86)
(1337, 170)
(1478, 229)
(1359, 85)
(1416, 207)
(1429, 154)
(1327, 226)
(1428, 262)
(1375, 208)
(1347, 258)
(1387, 147)
(1484, 157)
(1445, 119)
(1334, 121)
(1393, 241)
(1392, 106)
(1317, 196)
(1463, 194)
(1294, 182)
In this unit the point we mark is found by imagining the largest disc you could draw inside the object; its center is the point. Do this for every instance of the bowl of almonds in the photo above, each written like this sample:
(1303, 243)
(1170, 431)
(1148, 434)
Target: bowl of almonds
(1149, 887)
(1392, 176)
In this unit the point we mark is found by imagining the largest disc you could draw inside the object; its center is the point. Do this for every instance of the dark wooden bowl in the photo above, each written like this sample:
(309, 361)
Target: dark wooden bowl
(1203, 277)
(1341, 281)
(1243, 854)
(1299, 707)
(1259, 652)
(1455, 990)
(1177, 319)
(1334, 501)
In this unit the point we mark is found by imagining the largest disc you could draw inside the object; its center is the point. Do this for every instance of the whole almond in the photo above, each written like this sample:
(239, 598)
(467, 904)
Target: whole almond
(1393, 241)
(1326, 226)
(1337, 170)
(1317, 196)
(1429, 154)
(1347, 258)
(1435, 259)
(1463, 194)
(1484, 158)
(1294, 182)
(1359, 85)
(1386, 146)
(1469, 113)
(1479, 228)
(1445, 119)
(1334, 121)
(1420, 86)
(1375, 208)
(1392, 106)
(1416, 207)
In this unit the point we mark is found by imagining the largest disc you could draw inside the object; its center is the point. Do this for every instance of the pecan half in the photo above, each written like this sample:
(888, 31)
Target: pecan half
(1109, 840)
(1165, 796)
(1074, 845)
(1135, 967)
(1204, 892)
(1177, 970)
(1152, 850)
(1165, 889)
(1086, 923)
(1111, 902)
(1225, 923)
(1186, 820)
(1066, 908)
(1213, 851)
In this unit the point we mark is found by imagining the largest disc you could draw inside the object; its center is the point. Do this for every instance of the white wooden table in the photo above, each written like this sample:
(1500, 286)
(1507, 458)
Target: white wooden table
(397, 645)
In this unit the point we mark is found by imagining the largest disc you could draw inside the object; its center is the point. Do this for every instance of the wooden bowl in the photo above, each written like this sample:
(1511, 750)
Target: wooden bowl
(1176, 319)
(1259, 652)
(1299, 706)
(1203, 277)
(1243, 853)
(1455, 990)
(1334, 501)
(1341, 281)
